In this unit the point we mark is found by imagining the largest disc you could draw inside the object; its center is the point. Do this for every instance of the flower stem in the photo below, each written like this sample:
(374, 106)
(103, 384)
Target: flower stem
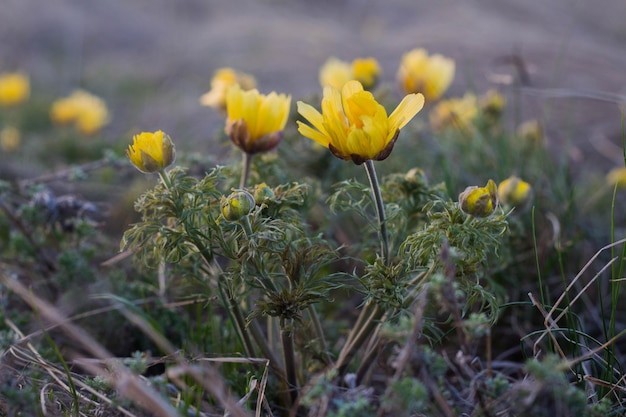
(286, 333)
(245, 171)
(166, 179)
(380, 210)
(319, 332)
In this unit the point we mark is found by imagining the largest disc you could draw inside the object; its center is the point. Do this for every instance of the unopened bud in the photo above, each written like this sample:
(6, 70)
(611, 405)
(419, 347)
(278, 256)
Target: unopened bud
(262, 193)
(479, 201)
(237, 205)
(514, 191)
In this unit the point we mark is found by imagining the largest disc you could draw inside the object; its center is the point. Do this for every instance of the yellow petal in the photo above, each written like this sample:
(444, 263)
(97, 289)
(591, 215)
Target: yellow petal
(406, 110)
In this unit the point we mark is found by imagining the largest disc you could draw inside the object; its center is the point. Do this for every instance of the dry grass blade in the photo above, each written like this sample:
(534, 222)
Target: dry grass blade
(124, 381)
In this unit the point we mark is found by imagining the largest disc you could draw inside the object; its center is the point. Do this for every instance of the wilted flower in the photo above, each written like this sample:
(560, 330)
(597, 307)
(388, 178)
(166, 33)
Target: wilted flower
(366, 71)
(514, 191)
(479, 201)
(458, 112)
(429, 75)
(222, 80)
(14, 88)
(256, 121)
(237, 205)
(336, 73)
(10, 139)
(353, 125)
(617, 177)
(151, 152)
(88, 112)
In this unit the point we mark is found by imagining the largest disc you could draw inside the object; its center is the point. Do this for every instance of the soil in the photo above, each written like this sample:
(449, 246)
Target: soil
(152, 59)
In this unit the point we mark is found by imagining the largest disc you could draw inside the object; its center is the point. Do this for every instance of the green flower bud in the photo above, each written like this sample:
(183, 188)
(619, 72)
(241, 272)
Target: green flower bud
(479, 201)
(514, 191)
(237, 205)
(262, 193)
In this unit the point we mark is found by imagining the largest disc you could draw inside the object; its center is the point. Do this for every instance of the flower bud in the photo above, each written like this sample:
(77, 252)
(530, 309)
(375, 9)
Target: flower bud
(151, 152)
(262, 193)
(514, 191)
(617, 178)
(237, 205)
(479, 201)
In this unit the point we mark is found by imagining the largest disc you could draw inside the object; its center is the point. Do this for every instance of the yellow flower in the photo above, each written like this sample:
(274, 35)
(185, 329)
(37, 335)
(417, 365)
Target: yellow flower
(256, 121)
(492, 105)
(10, 139)
(430, 75)
(14, 89)
(479, 201)
(458, 112)
(531, 132)
(151, 152)
(514, 191)
(335, 73)
(87, 111)
(366, 71)
(617, 177)
(221, 81)
(353, 125)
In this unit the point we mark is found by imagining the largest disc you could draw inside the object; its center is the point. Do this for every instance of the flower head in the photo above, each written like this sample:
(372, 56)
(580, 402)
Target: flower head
(454, 112)
(237, 205)
(353, 125)
(430, 75)
(88, 112)
(531, 132)
(617, 178)
(514, 191)
(336, 73)
(10, 139)
(479, 201)
(14, 88)
(366, 71)
(222, 80)
(151, 152)
(256, 121)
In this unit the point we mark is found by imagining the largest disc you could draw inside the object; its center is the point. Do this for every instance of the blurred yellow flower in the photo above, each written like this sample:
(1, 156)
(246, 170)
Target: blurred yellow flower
(14, 88)
(88, 112)
(151, 152)
(479, 201)
(514, 191)
(492, 105)
(617, 177)
(353, 125)
(429, 75)
(530, 132)
(458, 112)
(256, 121)
(10, 139)
(335, 73)
(366, 71)
(221, 81)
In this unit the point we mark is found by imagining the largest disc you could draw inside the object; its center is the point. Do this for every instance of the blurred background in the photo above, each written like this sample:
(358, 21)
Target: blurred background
(150, 60)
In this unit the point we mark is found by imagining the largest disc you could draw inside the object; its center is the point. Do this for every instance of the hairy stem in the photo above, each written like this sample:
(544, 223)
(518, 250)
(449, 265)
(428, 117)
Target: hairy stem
(245, 171)
(380, 210)
(286, 333)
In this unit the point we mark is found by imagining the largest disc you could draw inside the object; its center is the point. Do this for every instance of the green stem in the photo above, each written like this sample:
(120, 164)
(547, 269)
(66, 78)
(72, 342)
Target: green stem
(380, 210)
(286, 334)
(319, 332)
(245, 171)
(166, 179)
(358, 336)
